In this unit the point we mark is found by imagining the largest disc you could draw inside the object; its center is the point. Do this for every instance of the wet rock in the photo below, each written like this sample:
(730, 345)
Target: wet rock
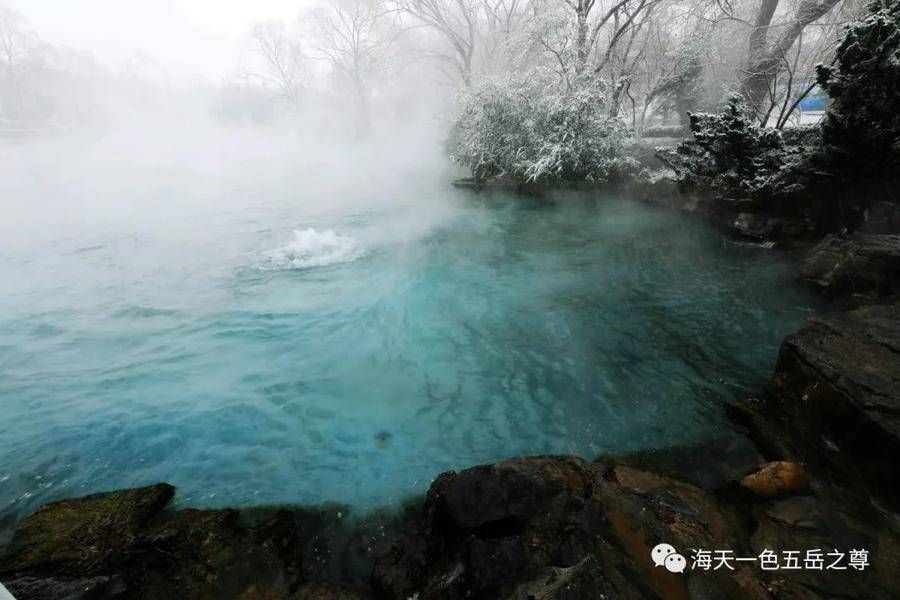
(83, 588)
(735, 456)
(584, 581)
(467, 183)
(802, 523)
(86, 535)
(123, 544)
(501, 183)
(739, 217)
(505, 496)
(559, 527)
(488, 530)
(837, 383)
(881, 217)
(777, 479)
(320, 591)
(863, 264)
(656, 186)
(765, 227)
(506, 522)
(208, 553)
(400, 570)
(662, 188)
(646, 508)
(535, 528)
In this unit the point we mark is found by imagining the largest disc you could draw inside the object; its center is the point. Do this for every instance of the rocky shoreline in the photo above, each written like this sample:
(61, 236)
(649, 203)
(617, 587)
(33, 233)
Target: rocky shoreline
(815, 472)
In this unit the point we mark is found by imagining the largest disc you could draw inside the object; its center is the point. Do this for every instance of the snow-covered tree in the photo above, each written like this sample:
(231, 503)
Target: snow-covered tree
(786, 39)
(728, 155)
(277, 60)
(22, 56)
(528, 128)
(355, 38)
(861, 130)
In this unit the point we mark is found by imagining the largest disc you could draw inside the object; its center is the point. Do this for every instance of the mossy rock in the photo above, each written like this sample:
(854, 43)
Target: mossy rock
(86, 535)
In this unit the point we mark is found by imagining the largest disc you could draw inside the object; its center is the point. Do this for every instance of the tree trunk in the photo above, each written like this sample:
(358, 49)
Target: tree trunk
(767, 61)
(581, 40)
(684, 104)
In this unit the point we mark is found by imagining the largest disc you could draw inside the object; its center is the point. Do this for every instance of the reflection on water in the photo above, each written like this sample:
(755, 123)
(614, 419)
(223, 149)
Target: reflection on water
(264, 355)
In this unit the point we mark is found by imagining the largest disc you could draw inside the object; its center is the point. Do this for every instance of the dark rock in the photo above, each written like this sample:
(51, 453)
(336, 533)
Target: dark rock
(488, 529)
(659, 186)
(467, 183)
(504, 496)
(880, 218)
(803, 523)
(735, 456)
(764, 227)
(106, 545)
(506, 522)
(646, 508)
(320, 591)
(400, 570)
(85, 588)
(837, 382)
(495, 562)
(84, 536)
(207, 553)
(747, 218)
(248, 554)
(535, 528)
(559, 527)
(862, 264)
(500, 183)
(584, 581)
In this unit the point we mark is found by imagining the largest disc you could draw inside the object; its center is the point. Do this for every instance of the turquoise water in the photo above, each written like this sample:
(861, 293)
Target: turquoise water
(259, 352)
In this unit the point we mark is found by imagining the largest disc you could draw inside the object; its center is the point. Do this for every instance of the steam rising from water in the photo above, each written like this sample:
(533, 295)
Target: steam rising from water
(165, 315)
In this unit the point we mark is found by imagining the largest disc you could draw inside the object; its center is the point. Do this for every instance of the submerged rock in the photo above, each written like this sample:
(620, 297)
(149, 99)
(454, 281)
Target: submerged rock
(863, 264)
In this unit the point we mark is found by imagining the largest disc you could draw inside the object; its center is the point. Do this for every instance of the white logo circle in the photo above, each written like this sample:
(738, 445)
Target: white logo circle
(660, 552)
(676, 563)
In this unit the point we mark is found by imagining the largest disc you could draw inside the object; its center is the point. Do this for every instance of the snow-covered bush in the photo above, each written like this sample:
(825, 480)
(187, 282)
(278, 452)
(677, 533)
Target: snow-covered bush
(861, 131)
(529, 128)
(728, 155)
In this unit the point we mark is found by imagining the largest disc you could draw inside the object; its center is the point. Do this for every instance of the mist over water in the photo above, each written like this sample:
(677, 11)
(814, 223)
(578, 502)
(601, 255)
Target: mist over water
(261, 317)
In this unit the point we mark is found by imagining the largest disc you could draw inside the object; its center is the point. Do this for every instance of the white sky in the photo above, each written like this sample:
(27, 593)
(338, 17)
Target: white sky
(187, 37)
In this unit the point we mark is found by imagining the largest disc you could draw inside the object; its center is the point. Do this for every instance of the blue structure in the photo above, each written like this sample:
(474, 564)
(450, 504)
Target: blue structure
(813, 103)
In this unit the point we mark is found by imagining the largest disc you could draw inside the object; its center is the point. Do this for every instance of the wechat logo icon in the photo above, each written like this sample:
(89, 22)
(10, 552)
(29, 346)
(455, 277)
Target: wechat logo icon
(665, 555)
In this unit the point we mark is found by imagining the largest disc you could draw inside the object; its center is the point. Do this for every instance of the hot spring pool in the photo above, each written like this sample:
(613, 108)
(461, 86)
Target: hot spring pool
(265, 353)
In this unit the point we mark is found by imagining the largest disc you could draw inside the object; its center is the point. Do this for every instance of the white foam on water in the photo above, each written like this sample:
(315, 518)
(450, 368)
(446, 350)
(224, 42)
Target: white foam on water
(310, 248)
